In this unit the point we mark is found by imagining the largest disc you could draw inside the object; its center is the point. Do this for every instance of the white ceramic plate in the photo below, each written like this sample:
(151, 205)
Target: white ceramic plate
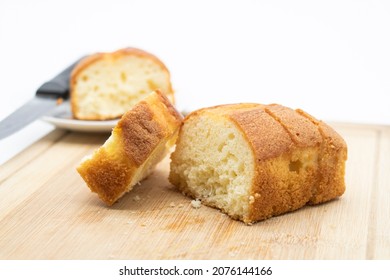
(61, 117)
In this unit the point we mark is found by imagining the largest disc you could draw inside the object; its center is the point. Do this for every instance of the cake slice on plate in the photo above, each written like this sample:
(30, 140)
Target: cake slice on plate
(104, 86)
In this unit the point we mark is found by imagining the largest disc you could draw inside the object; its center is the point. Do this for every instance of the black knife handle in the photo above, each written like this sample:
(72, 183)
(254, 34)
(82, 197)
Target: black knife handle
(58, 87)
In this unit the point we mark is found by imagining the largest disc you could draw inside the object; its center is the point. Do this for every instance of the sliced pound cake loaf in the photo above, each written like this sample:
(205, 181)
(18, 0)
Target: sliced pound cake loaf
(254, 161)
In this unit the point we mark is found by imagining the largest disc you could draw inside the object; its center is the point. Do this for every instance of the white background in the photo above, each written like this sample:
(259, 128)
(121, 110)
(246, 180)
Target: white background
(330, 58)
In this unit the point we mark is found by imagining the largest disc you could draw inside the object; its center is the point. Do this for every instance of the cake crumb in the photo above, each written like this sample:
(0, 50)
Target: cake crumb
(143, 225)
(251, 199)
(172, 204)
(196, 203)
(233, 254)
(180, 205)
(136, 198)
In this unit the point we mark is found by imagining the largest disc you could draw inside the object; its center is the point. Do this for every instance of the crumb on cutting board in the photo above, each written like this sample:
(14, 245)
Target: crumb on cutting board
(196, 204)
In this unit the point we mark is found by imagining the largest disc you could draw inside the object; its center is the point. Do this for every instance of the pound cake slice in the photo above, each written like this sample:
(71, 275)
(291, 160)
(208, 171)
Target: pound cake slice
(142, 138)
(105, 85)
(254, 161)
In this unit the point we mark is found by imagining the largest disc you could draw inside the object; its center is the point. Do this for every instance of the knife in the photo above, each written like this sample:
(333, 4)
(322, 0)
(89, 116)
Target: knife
(47, 97)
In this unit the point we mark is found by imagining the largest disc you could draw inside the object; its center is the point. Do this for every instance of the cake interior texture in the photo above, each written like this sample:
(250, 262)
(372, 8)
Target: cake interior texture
(215, 170)
(112, 85)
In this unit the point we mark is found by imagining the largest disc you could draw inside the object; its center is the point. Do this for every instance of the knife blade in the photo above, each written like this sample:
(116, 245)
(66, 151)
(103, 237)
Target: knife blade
(47, 97)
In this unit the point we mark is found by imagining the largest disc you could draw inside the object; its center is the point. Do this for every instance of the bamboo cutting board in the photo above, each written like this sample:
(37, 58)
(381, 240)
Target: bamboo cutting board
(47, 212)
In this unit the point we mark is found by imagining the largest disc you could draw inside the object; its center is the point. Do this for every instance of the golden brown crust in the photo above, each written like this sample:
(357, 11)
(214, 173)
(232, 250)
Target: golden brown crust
(171, 109)
(278, 137)
(333, 155)
(326, 131)
(107, 176)
(91, 59)
(142, 130)
(302, 131)
(265, 135)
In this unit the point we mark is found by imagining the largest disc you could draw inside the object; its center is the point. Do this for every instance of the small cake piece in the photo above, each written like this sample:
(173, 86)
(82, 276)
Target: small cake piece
(256, 161)
(141, 139)
(105, 85)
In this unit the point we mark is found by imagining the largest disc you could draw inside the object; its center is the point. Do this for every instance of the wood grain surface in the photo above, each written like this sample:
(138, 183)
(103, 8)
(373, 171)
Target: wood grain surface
(47, 212)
